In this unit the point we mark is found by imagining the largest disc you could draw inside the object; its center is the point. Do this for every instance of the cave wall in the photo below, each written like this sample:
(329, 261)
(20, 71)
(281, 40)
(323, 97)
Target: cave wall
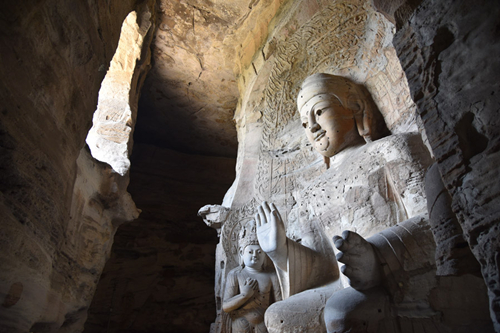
(160, 274)
(59, 208)
(449, 51)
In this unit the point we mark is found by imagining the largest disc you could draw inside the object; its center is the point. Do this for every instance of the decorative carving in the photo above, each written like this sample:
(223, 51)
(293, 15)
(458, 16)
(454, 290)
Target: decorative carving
(231, 228)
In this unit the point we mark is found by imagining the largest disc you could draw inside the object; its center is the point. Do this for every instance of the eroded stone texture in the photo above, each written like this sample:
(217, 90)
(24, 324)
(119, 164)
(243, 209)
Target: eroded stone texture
(453, 255)
(446, 49)
(160, 274)
(110, 138)
(57, 287)
(192, 89)
(59, 209)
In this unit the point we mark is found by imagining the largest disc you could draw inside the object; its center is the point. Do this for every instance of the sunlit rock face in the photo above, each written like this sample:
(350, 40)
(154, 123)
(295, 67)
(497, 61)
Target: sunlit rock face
(192, 89)
(110, 138)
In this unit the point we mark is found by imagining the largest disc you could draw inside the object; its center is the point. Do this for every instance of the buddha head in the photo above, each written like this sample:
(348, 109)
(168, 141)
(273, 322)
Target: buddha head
(337, 113)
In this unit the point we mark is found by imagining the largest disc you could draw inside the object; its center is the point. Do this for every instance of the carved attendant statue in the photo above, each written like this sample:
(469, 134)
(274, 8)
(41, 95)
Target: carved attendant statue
(250, 288)
(375, 182)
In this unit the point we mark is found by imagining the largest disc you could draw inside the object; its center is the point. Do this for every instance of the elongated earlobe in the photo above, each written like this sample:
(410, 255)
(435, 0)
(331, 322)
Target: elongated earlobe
(241, 262)
(362, 116)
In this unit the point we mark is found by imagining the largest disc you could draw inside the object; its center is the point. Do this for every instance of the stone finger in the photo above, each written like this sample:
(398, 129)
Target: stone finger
(276, 214)
(257, 220)
(262, 215)
(347, 241)
(275, 211)
(338, 242)
(266, 210)
(347, 258)
(353, 239)
(346, 270)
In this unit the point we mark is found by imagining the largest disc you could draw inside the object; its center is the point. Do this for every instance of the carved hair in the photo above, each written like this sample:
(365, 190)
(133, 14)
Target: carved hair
(321, 86)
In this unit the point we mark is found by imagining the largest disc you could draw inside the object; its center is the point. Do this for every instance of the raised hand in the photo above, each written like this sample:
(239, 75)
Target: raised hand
(270, 229)
(361, 264)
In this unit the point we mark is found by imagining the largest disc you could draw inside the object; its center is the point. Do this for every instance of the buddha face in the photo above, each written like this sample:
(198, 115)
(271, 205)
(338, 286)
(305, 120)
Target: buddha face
(253, 257)
(329, 126)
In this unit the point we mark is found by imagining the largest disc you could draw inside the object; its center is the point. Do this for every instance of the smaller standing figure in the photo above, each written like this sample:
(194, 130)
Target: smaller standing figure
(250, 288)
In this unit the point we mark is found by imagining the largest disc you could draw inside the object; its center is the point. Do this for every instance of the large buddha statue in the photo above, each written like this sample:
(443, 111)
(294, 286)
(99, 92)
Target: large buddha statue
(367, 214)
(373, 187)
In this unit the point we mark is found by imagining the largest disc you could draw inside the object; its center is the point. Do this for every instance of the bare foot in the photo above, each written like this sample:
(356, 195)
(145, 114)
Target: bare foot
(361, 264)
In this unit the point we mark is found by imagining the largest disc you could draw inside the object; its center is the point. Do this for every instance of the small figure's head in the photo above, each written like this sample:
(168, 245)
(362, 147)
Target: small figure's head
(251, 254)
(253, 257)
(336, 113)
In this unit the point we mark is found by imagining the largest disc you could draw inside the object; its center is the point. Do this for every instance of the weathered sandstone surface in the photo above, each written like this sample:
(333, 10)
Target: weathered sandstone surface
(160, 274)
(447, 50)
(59, 207)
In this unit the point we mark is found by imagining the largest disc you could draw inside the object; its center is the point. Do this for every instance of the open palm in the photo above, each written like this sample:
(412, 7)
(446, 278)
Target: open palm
(270, 228)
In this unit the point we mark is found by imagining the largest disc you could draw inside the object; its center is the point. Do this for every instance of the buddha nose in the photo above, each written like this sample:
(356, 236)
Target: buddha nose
(313, 125)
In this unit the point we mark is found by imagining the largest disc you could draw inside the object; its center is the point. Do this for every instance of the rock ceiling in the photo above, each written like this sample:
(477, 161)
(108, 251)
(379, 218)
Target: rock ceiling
(191, 93)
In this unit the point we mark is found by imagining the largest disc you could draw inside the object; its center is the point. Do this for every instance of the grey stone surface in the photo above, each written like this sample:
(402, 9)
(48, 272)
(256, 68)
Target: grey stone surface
(445, 50)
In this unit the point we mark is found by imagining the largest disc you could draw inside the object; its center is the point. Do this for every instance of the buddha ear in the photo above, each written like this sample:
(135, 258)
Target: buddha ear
(362, 116)
(241, 262)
